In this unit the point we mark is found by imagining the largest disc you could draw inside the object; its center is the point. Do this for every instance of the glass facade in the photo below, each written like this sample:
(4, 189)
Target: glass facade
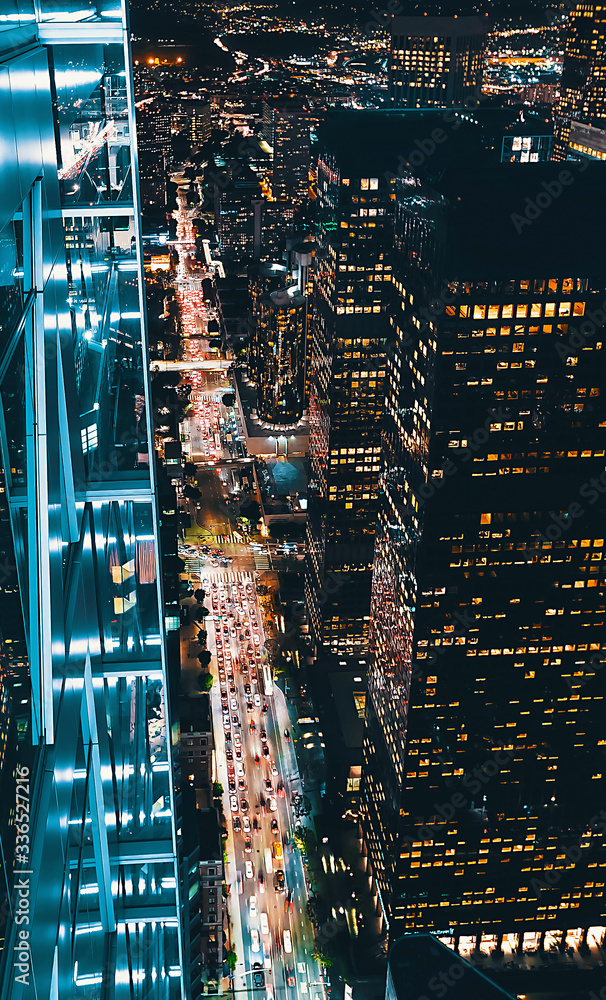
(90, 893)
(351, 296)
(482, 773)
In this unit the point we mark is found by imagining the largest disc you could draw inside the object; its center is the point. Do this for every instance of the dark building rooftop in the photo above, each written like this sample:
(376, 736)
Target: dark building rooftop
(524, 220)
(195, 714)
(417, 961)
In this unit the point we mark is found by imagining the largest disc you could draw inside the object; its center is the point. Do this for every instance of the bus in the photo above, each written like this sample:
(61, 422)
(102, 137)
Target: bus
(269, 867)
(268, 687)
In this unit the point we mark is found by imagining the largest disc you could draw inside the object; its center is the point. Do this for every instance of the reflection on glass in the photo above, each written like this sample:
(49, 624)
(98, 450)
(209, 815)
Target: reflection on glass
(92, 121)
(106, 327)
(11, 278)
(12, 393)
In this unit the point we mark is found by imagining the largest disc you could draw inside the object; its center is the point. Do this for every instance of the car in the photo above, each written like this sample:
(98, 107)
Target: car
(235, 720)
(264, 708)
(249, 706)
(256, 639)
(247, 845)
(232, 784)
(237, 824)
(244, 805)
(246, 824)
(273, 805)
(233, 803)
(255, 941)
(252, 906)
(268, 785)
(228, 754)
(240, 770)
(290, 975)
(287, 735)
(266, 751)
(264, 923)
(263, 736)
(253, 726)
(239, 882)
(274, 827)
(233, 705)
(267, 956)
(257, 701)
(279, 882)
(239, 753)
(273, 768)
(248, 869)
(257, 760)
(278, 852)
(261, 881)
(255, 824)
(237, 740)
(281, 789)
(241, 784)
(247, 689)
(258, 976)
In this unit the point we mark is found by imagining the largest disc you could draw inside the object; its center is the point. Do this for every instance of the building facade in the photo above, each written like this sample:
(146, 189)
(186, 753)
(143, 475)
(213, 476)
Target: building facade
(482, 758)
(91, 775)
(582, 100)
(351, 296)
(436, 61)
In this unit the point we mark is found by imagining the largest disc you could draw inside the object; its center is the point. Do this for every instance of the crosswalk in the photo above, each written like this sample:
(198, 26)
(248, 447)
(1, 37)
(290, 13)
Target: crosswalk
(228, 576)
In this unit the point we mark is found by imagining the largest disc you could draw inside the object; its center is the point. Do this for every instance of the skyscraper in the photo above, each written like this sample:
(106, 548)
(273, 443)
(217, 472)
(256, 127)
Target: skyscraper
(89, 842)
(280, 343)
(352, 289)
(286, 127)
(436, 61)
(580, 112)
(483, 768)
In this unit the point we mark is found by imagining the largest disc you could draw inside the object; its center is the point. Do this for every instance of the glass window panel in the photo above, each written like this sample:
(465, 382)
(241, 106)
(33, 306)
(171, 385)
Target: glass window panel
(92, 122)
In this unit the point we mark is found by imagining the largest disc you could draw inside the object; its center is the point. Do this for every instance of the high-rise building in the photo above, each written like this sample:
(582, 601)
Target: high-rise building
(286, 128)
(580, 112)
(483, 754)
(436, 61)
(280, 343)
(89, 841)
(238, 215)
(351, 292)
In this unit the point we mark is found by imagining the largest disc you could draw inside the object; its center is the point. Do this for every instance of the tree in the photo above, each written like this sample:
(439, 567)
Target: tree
(190, 469)
(225, 889)
(201, 613)
(228, 398)
(231, 958)
(205, 681)
(191, 492)
(204, 657)
(217, 790)
(321, 954)
(199, 595)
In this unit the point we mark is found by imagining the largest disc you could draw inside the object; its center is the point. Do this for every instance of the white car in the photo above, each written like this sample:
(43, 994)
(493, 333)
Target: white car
(252, 906)
(256, 639)
(273, 805)
(240, 770)
(233, 803)
(237, 740)
(264, 924)
(248, 869)
(246, 824)
(234, 705)
(287, 942)
(257, 700)
(255, 943)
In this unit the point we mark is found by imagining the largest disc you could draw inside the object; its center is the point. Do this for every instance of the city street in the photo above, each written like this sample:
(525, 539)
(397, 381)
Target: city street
(255, 763)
